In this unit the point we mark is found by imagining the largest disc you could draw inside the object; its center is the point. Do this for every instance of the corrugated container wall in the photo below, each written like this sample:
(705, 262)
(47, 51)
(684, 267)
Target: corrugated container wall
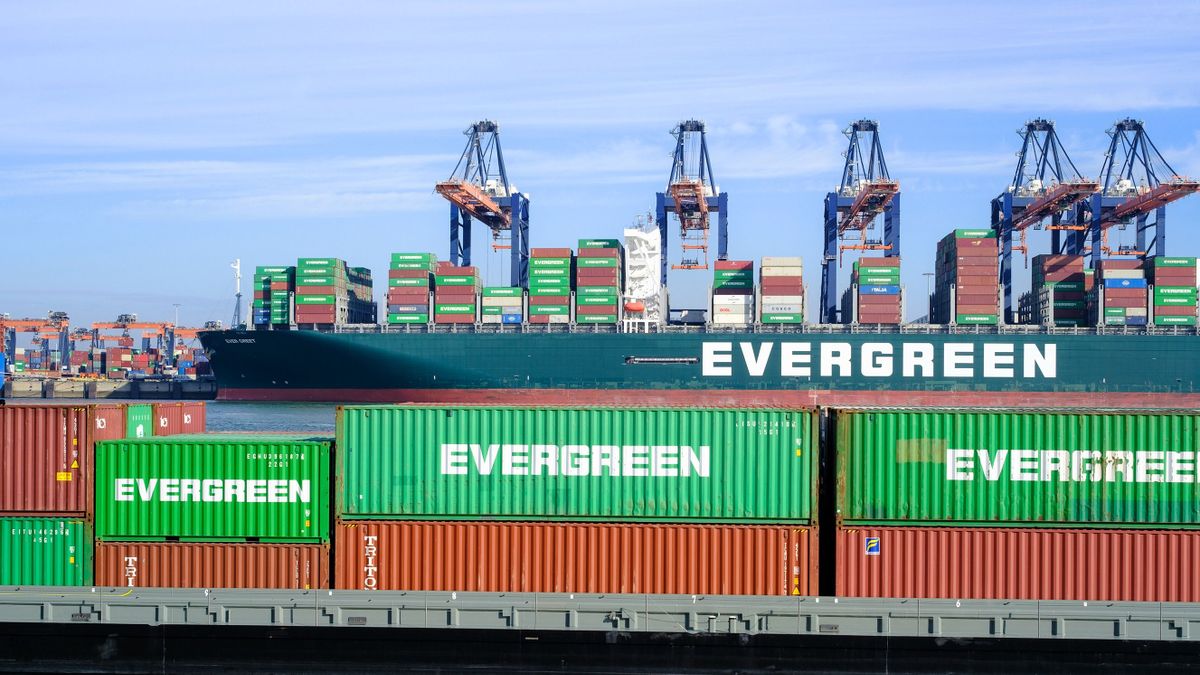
(213, 487)
(576, 558)
(1019, 564)
(1018, 467)
(567, 463)
(45, 459)
(211, 565)
(173, 419)
(45, 552)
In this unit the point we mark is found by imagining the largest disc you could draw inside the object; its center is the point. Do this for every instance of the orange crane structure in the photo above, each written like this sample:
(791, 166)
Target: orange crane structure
(55, 327)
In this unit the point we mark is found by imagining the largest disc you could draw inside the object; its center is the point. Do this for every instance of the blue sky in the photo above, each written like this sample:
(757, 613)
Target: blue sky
(145, 145)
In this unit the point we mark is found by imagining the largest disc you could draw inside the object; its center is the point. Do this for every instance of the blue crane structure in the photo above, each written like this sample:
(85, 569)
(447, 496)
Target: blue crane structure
(850, 211)
(1135, 182)
(691, 195)
(479, 188)
(1046, 185)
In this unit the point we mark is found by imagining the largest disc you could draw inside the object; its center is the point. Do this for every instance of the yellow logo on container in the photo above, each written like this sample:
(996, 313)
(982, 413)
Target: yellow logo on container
(63, 476)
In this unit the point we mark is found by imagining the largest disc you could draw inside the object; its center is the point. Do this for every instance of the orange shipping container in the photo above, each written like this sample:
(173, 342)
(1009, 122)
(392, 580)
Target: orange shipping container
(45, 459)
(576, 558)
(209, 565)
(1018, 564)
(172, 419)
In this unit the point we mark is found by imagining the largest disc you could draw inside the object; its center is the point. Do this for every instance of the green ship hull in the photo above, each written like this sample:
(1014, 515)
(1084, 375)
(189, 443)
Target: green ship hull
(818, 367)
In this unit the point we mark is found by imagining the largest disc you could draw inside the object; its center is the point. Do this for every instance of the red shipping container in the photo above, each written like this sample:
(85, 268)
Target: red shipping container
(208, 565)
(260, 295)
(1019, 564)
(316, 290)
(407, 294)
(315, 317)
(983, 299)
(879, 262)
(549, 300)
(501, 557)
(886, 318)
(1126, 293)
(1053, 261)
(538, 318)
(45, 459)
(107, 421)
(989, 308)
(454, 318)
(446, 269)
(593, 310)
(279, 286)
(1119, 265)
(866, 300)
(408, 274)
(456, 292)
(1062, 275)
(550, 253)
(733, 265)
(1174, 310)
(966, 246)
(767, 288)
(601, 273)
(601, 253)
(172, 419)
(968, 270)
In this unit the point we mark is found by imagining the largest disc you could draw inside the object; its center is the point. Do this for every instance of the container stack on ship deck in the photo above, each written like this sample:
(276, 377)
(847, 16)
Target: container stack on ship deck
(213, 511)
(967, 279)
(599, 267)
(274, 295)
(1058, 292)
(1174, 299)
(733, 293)
(604, 500)
(781, 290)
(550, 273)
(410, 280)
(503, 305)
(329, 293)
(879, 299)
(455, 294)
(1037, 505)
(1119, 295)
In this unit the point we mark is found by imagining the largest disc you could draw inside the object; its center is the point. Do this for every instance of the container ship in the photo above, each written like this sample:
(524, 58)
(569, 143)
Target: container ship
(1103, 324)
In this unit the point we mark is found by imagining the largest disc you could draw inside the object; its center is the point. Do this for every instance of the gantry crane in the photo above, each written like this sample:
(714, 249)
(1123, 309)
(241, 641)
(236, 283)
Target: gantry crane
(850, 211)
(1135, 182)
(1045, 185)
(479, 188)
(54, 328)
(692, 194)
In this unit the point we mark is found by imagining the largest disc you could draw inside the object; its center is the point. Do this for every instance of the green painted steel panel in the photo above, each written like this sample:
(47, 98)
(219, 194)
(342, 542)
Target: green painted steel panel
(213, 487)
(559, 463)
(45, 552)
(1027, 468)
(139, 420)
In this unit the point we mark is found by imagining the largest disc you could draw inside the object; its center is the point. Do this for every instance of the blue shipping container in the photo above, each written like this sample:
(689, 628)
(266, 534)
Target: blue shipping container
(510, 318)
(1135, 321)
(1124, 283)
(2, 369)
(407, 309)
(879, 290)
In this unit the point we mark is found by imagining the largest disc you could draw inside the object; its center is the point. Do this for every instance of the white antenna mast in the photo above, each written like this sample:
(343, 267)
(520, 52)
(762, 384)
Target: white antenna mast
(237, 303)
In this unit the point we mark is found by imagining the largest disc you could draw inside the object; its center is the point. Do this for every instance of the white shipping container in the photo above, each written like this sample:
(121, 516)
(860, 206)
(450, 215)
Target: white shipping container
(783, 299)
(1124, 274)
(782, 309)
(499, 302)
(733, 300)
(782, 271)
(1135, 311)
(728, 310)
(559, 318)
(782, 261)
(491, 318)
(731, 320)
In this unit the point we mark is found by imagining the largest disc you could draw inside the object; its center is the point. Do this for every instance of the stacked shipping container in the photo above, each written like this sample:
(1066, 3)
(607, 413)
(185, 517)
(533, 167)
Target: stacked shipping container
(1058, 291)
(410, 280)
(1017, 504)
(550, 273)
(503, 304)
(1174, 299)
(329, 292)
(1119, 297)
(201, 511)
(733, 293)
(878, 299)
(967, 279)
(274, 295)
(781, 290)
(575, 500)
(455, 294)
(598, 281)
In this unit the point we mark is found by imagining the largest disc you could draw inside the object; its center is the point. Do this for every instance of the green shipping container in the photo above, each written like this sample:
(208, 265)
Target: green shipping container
(315, 299)
(454, 280)
(1064, 285)
(552, 291)
(1018, 468)
(1174, 321)
(408, 318)
(535, 310)
(538, 265)
(422, 281)
(213, 487)
(1160, 261)
(595, 262)
(974, 234)
(139, 420)
(316, 281)
(453, 309)
(45, 552)
(502, 292)
(599, 243)
(427, 258)
(679, 464)
(1174, 301)
(596, 300)
(612, 291)
(1114, 311)
(595, 318)
(782, 318)
(977, 319)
